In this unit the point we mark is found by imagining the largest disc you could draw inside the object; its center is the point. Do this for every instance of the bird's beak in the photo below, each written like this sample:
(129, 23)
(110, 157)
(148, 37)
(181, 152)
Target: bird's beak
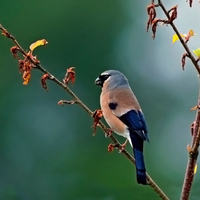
(98, 81)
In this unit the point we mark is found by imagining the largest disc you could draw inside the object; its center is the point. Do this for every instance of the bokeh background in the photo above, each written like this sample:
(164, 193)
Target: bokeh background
(48, 151)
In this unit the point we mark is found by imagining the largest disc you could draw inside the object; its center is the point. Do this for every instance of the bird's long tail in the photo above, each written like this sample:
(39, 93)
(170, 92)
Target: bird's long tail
(137, 143)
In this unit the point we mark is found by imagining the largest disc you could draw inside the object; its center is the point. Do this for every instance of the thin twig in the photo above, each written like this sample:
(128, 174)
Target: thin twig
(180, 38)
(80, 103)
(193, 154)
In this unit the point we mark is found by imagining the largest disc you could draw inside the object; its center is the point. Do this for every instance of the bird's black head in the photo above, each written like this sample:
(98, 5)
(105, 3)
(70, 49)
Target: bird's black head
(111, 79)
(102, 78)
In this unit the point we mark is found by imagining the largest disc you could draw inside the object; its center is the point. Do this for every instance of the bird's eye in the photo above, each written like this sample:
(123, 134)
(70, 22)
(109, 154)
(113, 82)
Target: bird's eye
(104, 77)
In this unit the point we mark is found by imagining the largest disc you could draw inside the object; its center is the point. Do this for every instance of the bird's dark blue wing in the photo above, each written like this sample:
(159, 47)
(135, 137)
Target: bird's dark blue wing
(136, 122)
(138, 133)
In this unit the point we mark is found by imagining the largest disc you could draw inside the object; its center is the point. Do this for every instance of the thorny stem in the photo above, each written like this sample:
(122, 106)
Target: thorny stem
(80, 103)
(193, 154)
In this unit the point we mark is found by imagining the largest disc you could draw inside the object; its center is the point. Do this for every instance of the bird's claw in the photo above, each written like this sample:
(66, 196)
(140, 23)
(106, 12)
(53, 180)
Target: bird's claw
(122, 147)
(108, 132)
(118, 146)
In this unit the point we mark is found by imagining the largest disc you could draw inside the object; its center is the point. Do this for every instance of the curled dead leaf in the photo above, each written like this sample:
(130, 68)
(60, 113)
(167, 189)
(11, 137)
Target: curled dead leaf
(173, 14)
(25, 67)
(183, 60)
(21, 66)
(97, 116)
(152, 15)
(26, 77)
(14, 51)
(190, 3)
(26, 72)
(43, 81)
(69, 76)
(154, 26)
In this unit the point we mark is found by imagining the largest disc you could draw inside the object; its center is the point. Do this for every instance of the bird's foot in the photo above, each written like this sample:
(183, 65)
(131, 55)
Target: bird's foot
(122, 147)
(118, 146)
(108, 132)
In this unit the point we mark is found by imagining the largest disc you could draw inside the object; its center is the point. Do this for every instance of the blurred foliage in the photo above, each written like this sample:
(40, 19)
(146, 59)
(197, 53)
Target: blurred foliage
(48, 151)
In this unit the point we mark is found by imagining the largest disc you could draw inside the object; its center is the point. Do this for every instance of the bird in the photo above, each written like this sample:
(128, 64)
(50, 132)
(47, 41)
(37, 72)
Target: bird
(123, 114)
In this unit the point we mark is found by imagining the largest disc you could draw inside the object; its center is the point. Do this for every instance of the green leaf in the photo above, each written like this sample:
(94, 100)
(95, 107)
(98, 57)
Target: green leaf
(197, 52)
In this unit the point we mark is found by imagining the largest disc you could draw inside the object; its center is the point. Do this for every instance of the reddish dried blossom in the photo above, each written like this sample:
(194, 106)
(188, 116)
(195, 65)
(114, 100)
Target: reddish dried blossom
(32, 59)
(97, 116)
(69, 76)
(14, 51)
(43, 81)
(190, 2)
(111, 147)
(152, 14)
(26, 76)
(154, 26)
(27, 72)
(25, 67)
(173, 15)
(21, 65)
(183, 60)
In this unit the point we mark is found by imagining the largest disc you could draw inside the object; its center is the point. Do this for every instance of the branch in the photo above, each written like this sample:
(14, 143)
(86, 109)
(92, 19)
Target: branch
(193, 155)
(193, 152)
(76, 100)
(194, 61)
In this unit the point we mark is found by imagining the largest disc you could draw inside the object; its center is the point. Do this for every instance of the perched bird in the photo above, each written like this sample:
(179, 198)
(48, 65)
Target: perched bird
(123, 114)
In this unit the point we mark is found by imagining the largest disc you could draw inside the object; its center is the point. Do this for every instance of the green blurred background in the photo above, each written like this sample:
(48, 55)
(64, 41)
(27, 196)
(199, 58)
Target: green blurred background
(48, 151)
